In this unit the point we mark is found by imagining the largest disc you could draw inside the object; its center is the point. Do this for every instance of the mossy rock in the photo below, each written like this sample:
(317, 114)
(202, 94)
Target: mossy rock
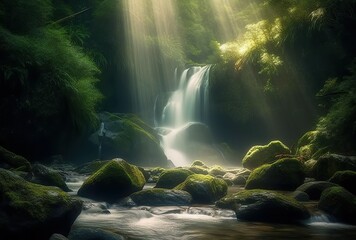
(32, 211)
(48, 177)
(198, 163)
(329, 164)
(14, 161)
(217, 170)
(259, 155)
(199, 170)
(346, 179)
(339, 203)
(204, 188)
(309, 167)
(161, 197)
(264, 206)
(314, 189)
(306, 146)
(127, 136)
(284, 174)
(90, 167)
(172, 177)
(115, 180)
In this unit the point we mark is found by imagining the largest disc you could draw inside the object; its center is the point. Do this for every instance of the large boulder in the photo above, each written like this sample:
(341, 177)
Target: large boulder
(264, 206)
(161, 197)
(12, 160)
(329, 164)
(127, 136)
(48, 177)
(259, 155)
(115, 180)
(315, 188)
(172, 177)
(346, 179)
(339, 203)
(32, 211)
(204, 188)
(285, 174)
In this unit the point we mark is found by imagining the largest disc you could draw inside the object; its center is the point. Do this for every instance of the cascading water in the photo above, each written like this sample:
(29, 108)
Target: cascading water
(184, 113)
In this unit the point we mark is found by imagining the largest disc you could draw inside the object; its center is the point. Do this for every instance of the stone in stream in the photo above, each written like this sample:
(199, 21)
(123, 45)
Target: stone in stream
(172, 177)
(339, 203)
(284, 174)
(161, 197)
(314, 189)
(346, 179)
(117, 179)
(48, 177)
(32, 211)
(204, 188)
(259, 155)
(264, 206)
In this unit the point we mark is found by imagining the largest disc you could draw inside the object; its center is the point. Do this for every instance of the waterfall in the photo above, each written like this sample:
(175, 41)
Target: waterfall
(184, 113)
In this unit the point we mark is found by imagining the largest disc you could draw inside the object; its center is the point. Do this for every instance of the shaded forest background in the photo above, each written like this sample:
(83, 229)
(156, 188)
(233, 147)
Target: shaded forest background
(291, 69)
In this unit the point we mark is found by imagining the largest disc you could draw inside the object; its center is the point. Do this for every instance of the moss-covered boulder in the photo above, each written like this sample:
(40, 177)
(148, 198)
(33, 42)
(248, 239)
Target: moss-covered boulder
(315, 188)
(217, 170)
(259, 155)
(172, 177)
(329, 164)
(346, 179)
(127, 136)
(32, 211)
(284, 174)
(264, 206)
(48, 177)
(90, 167)
(11, 160)
(204, 188)
(161, 197)
(340, 203)
(115, 180)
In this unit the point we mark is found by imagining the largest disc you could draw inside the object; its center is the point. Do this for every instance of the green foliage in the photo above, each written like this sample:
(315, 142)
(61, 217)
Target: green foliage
(47, 82)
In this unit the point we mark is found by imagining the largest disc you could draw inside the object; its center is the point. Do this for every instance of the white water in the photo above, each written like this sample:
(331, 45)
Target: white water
(186, 106)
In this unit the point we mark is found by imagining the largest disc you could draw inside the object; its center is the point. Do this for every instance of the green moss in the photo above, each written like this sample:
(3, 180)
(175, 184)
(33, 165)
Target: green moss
(259, 155)
(284, 174)
(204, 188)
(114, 180)
(172, 177)
(31, 199)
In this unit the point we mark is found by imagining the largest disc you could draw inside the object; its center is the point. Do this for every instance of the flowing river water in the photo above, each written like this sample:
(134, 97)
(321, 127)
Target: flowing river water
(197, 222)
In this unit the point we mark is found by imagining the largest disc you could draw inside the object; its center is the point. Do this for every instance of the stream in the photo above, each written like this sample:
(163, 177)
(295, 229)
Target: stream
(196, 222)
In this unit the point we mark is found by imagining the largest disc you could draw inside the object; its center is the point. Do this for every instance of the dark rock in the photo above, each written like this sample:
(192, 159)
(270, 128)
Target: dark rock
(172, 177)
(48, 177)
(346, 179)
(115, 180)
(284, 174)
(329, 164)
(161, 197)
(339, 203)
(32, 211)
(259, 155)
(204, 188)
(93, 234)
(264, 206)
(300, 196)
(14, 161)
(314, 189)
(128, 136)
(309, 167)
